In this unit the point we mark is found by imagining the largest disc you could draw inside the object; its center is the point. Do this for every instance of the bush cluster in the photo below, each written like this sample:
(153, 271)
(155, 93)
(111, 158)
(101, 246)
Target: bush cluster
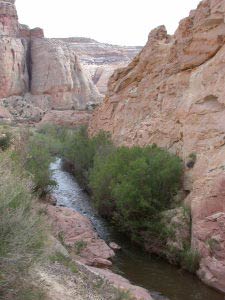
(132, 186)
(33, 153)
(129, 186)
(5, 140)
(77, 149)
(21, 231)
(37, 163)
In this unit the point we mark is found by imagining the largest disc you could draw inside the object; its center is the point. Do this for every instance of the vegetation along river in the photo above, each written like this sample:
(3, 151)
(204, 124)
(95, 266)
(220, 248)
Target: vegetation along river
(131, 262)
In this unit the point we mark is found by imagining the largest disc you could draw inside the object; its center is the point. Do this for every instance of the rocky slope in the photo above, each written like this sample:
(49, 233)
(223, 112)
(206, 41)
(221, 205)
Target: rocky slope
(100, 60)
(39, 75)
(172, 94)
(91, 254)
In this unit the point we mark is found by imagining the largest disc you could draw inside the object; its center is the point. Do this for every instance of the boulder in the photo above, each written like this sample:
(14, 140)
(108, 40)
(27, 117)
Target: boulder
(77, 233)
(114, 246)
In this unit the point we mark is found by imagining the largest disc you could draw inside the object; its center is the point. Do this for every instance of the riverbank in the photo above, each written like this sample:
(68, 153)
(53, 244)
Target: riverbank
(34, 265)
(156, 275)
(25, 175)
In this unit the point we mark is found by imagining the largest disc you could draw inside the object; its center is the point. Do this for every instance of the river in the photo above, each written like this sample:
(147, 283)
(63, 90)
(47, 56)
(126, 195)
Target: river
(131, 262)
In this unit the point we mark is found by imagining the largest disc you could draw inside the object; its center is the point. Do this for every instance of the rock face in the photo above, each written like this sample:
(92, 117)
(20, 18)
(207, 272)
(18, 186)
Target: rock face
(37, 74)
(119, 282)
(56, 71)
(172, 94)
(78, 234)
(100, 60)
(69, 118)
(35, 69)
(8, 18)
(14, 75)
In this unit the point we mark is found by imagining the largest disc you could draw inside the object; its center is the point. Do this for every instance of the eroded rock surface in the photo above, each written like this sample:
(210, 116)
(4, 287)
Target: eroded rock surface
(172, 94)
(8, 18)
(71, 118)
(56, 71)
(77, 233)
(100, 60)
(121, 284)
(37, 74)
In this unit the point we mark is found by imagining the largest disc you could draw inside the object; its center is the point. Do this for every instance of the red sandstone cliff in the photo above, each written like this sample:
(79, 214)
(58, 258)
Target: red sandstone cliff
(173, 94)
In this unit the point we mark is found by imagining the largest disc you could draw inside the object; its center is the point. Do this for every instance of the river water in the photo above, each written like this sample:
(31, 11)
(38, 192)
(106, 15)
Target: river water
(131, 262)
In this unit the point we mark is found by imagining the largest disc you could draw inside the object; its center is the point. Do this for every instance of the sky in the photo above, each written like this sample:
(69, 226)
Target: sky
(122, 22)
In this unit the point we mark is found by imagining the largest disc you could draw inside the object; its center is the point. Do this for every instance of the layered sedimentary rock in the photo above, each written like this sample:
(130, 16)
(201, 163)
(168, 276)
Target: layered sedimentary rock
(69, 118)
(39, 75)
(8, 18)
(80, 237)
(13, 76)
(56, 71)
(172, 94)
(36, 70)
(100, 60)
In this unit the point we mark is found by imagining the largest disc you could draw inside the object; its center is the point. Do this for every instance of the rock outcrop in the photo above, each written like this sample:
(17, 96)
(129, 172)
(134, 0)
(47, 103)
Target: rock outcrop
(172, 94)
(91, 254)
(118, 282)
(56, 71)
(67, 73)
(8, 18)
(100, 60)
(39, 75)
(79, 235)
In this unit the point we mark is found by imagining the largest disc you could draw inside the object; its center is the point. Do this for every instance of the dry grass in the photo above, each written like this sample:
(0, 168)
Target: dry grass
(21, 232)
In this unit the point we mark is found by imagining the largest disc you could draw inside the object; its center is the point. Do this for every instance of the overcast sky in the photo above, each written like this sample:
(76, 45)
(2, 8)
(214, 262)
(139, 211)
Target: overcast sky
(124, 22)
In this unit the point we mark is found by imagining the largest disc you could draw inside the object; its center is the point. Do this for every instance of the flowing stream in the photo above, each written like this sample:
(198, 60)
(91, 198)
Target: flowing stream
(140, 268)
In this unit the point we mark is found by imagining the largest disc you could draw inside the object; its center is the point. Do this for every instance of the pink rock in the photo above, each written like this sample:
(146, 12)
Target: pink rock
(114, 246)
(37, 33)
(120, 282)
(172, 94)
(9, 25)
(101, 263)
(4, 114)
(67, 118)
(78, 234)
(57, 71)
(100, 60)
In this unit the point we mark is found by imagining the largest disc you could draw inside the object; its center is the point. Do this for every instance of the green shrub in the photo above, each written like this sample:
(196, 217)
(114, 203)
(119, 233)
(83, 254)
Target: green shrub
(21, 230)
(190, 259)
(37, 163)
(130, 186)
(134, 185)
(31, 293)
(80, 246)
(5, 140)
(192, 158)
(123, 295)
(80, 151)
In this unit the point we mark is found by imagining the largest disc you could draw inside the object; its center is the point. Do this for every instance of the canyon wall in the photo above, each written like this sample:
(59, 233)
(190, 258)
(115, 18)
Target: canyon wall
(45, 79)
(39, 75)
(100, 60)
(173, 94)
